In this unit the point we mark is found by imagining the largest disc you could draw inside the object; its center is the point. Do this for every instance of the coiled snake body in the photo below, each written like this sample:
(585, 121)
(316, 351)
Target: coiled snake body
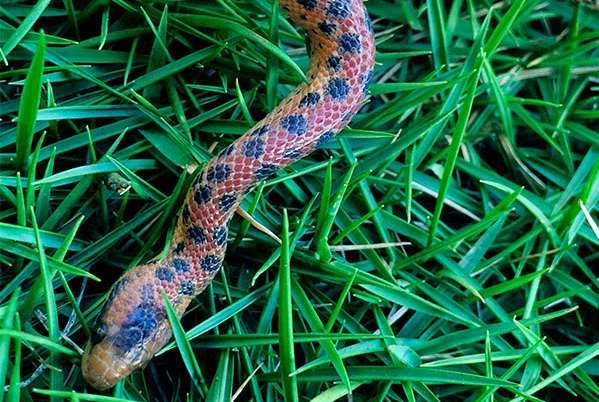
(133, 325)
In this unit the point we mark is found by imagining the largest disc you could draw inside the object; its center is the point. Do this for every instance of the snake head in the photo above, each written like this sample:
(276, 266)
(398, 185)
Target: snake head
(130, 330)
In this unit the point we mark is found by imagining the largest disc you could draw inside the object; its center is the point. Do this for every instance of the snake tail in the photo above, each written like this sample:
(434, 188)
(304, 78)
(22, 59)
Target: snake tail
(133, 324)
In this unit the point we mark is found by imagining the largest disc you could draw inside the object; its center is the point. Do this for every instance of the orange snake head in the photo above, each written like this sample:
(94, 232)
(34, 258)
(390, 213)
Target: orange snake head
(132, 327)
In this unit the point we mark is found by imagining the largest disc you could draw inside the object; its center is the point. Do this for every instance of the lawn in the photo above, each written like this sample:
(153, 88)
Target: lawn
(443, 247)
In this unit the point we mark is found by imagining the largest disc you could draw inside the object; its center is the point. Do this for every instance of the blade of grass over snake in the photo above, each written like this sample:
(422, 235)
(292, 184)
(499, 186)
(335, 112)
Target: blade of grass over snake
(221, 316)
(189, 359)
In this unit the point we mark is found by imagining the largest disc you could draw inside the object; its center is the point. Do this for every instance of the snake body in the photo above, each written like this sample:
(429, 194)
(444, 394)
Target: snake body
(133, 325)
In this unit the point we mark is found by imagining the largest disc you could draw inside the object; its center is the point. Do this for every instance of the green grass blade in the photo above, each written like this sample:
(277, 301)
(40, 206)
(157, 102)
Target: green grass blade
(189, 359)
(7, 320)
(327, 217)
(56, 378)
(14, 387)
(454, 149)
(439, 35)
(308, 312)
(25, 27)
(29, 105)
(220, 389)
(286, 342)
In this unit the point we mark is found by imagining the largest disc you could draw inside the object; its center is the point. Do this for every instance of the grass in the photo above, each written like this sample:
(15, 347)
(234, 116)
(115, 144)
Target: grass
(442, 248)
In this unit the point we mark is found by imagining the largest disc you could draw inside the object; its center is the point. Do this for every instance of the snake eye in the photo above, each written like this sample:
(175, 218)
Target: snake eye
(98, 334)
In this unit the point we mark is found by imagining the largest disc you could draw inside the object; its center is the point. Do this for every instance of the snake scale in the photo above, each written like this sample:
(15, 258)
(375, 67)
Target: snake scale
(133, 324)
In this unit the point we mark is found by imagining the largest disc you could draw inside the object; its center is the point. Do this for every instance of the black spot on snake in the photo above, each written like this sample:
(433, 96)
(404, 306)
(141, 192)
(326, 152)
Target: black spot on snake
(307, 4)
(267, 169)
(187, 288)
(228, 150)
(347, 116)
(219, 236)
(226, 202)
(324, 137)
(338, 88)
(310, 99)
(292, 153)
(180, 265)
(218, 173)
(327, 28)
(366, 81)
(338, 8)
(196, 234)
(253, 148)
(295, 124)
(98, 333)
(350, 43)
(147, 291)
(139, 325)
(179, 248)
(203, 195)
(165, 274)
(368, 23)
(199, 177)
(185, 214)
(260, 131)
(334, 63)
(116, 289)
(211, 263)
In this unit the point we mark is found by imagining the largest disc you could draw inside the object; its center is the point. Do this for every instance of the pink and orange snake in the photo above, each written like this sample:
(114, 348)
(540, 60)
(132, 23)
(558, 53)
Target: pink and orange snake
(133, 324)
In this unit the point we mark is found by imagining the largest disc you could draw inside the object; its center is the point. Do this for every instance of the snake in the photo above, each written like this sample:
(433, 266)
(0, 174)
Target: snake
(133, 324)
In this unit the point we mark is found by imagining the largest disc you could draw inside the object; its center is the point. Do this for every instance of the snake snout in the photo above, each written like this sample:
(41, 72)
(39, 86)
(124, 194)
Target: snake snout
(101, 369)
(122, 350)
